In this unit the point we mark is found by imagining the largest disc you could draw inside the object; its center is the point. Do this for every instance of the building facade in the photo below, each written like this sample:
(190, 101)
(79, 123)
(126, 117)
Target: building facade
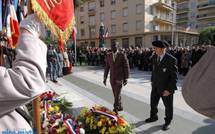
(131, 23)
(195, 15)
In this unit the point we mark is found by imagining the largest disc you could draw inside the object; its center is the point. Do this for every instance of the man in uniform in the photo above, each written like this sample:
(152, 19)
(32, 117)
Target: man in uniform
(163, 80)
(117, 63)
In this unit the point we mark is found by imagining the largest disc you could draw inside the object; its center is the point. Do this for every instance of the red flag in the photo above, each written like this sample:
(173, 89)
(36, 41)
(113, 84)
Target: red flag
(14, 26)
(74, 32)
(61, 44)
(57, 15)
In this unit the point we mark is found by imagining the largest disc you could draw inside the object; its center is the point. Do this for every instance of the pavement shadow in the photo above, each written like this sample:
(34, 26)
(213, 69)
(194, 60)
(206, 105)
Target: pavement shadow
(208, 129)
(138, 124)
(150, 130)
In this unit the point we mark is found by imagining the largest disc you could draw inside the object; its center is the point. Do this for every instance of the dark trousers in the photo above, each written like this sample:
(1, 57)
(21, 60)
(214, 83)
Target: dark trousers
(116, 88)
(167, 101)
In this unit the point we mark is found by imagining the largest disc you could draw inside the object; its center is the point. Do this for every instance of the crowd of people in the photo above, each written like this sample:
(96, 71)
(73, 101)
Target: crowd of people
(59, 63)
(140, 58)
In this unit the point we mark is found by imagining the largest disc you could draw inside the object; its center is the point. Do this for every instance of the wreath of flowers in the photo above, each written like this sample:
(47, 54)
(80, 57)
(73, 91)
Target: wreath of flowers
(101, 120)
(54, 118)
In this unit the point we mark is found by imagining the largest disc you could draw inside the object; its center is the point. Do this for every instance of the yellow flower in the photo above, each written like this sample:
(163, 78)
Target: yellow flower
(87, 120)
(94, 127)
(99, 124)
(56, 108)
(51, 109)
(103, 130)
(109, 123)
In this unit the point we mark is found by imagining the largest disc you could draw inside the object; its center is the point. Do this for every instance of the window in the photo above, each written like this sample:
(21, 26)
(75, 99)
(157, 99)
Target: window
(82, 19)
(125, 0)
(92, 20)
(125, 27)
(102, 3)
(151, 10)
(155, 37)
(92, 6)
(113, 41)
(113, 28)
(102, 17)
(92, 30)
(81, 9)
(138, 25)
(138, 42)
(125, 42)
(113, 14)
(125, 12)
(193, 5)
(92, 43)
(82, 32)
(113, 2)
(139, 8)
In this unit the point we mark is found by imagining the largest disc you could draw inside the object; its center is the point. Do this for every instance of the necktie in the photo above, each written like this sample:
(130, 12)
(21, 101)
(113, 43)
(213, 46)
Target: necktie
(114, 57)
(158, 59)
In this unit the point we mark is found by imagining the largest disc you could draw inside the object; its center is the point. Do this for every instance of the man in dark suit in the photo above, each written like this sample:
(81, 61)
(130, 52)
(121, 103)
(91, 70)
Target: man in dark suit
(117, 63)
(164, 79)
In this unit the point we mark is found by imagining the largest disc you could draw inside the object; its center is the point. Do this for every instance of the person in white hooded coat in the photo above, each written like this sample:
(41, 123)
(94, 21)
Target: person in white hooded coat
(26, 79)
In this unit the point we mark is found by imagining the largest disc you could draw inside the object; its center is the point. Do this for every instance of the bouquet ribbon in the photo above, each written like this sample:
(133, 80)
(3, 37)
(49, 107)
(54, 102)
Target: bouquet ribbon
(69, 124)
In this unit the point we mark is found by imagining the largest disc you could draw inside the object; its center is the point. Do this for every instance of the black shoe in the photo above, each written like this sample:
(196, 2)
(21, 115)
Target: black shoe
(165, 126)
(120, 108)
(116, 111)
(151, 119)
(55, 81)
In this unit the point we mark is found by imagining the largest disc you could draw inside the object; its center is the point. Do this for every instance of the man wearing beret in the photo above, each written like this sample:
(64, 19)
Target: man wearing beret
(163, 80)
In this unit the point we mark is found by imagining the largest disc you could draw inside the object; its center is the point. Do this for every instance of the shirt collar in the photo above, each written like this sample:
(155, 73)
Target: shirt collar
(161, 56)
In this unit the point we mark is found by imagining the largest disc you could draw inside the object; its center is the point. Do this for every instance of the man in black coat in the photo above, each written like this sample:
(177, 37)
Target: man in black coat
(164, 79)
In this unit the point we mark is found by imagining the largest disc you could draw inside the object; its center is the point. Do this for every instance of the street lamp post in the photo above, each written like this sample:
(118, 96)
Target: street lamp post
(173, 22)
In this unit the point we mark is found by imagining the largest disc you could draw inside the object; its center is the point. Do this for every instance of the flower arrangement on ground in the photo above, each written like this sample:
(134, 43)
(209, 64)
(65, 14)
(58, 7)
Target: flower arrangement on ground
(101, 120)
(54, 118)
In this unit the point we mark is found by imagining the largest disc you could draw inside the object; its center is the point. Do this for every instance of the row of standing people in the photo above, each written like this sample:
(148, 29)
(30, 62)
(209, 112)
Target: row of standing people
(141, 57)
(59, 63)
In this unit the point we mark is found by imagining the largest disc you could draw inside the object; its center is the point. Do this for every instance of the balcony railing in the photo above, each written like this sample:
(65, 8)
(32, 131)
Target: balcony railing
(205, 16)
(181, 11)
(92, 12)
(182, 20)
(163, 19)
(206, 5)
(163, 4)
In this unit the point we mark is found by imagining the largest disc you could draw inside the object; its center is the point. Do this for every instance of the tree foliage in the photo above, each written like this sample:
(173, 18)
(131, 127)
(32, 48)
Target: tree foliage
(77, 3)
(207, 36)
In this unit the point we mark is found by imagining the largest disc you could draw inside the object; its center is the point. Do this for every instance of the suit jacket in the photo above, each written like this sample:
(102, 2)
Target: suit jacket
(198, 87)
(164, 74)
(23, 82)
(119, 69)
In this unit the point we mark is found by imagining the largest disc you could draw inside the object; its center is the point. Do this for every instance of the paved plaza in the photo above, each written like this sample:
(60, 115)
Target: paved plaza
(84, 88)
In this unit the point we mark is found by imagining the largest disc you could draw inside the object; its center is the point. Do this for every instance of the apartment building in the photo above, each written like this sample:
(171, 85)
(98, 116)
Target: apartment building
(195, 14)
(205, 13)
(130, 22)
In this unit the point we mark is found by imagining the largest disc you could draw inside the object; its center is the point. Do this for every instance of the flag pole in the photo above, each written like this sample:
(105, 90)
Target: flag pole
(75, 49)
(36, 117)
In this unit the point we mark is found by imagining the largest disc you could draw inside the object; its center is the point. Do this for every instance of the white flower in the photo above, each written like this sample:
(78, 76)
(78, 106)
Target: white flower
(82, 131)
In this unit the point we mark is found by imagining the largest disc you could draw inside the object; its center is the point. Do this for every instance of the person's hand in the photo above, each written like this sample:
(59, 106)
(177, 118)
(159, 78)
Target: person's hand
(104, 81)
(166, 93)
(125, 81)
